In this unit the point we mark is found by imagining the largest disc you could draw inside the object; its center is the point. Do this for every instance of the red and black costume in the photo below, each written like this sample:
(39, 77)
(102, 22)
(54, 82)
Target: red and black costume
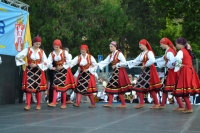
(119, 82)
(170, 77)
(188, 81)
(34, 80)
(86, 83)
(63, 78)
(149, 80)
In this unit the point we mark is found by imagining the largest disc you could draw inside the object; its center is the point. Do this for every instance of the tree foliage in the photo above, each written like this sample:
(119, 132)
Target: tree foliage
(126, 21)
(99, 21)
(188, 12)
(145, 21)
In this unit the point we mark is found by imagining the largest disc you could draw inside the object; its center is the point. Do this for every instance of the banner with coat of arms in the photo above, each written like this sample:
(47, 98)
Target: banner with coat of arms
(14, 29)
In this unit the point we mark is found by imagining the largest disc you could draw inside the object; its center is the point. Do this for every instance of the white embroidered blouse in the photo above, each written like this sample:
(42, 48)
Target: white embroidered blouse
(109, 59)
(19, 58)
(92, 69)
(161, 62)
(139, 59)
(58, 57)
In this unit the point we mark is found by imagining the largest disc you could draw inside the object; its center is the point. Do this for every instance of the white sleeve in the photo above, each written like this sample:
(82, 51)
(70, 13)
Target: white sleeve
(44, 57)
(104, 63)
(73, 62)
(171, 60)
(122, 62)
(68, 60)
(42, 66)
(19, 58)
(67, 56)
(151, 59)
(160, 62)
(92, 69)
(77, 73)
(70, 56)
(50, 61)
(178, 61)
(133, 63)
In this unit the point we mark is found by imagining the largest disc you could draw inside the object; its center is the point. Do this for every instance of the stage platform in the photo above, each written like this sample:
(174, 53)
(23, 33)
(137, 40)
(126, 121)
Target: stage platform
(13, 119)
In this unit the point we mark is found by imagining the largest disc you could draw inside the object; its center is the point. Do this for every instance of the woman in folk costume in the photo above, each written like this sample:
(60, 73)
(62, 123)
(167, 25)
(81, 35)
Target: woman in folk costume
(119, 82)
(149, 80)
(63, 77)
(170, 77)
(34, 80)
(188, 81)
(86, 83)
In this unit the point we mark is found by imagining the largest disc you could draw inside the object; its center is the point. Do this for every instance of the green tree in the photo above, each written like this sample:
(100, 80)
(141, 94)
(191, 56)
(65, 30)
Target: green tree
(188, 12)
(145, 20)
(99, 21)
(172, 31)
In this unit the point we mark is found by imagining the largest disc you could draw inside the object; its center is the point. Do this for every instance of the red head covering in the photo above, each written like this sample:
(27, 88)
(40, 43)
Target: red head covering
(146, 43)
(166, 41)
(57, 42)
(84, 47)
(114, 43)
(37, 39)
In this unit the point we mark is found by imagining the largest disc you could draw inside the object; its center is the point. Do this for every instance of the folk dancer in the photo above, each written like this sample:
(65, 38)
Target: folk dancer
(119, 82)
(63, 77)
(149, 80)
(188, 81)
(34, 80)
(86, 82)
(170, 77)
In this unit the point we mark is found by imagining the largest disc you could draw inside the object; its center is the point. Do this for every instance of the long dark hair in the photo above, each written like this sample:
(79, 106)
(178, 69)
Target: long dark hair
(184, 42)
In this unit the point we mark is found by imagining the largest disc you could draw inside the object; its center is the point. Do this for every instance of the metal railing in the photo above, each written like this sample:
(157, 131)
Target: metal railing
(16, 3)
